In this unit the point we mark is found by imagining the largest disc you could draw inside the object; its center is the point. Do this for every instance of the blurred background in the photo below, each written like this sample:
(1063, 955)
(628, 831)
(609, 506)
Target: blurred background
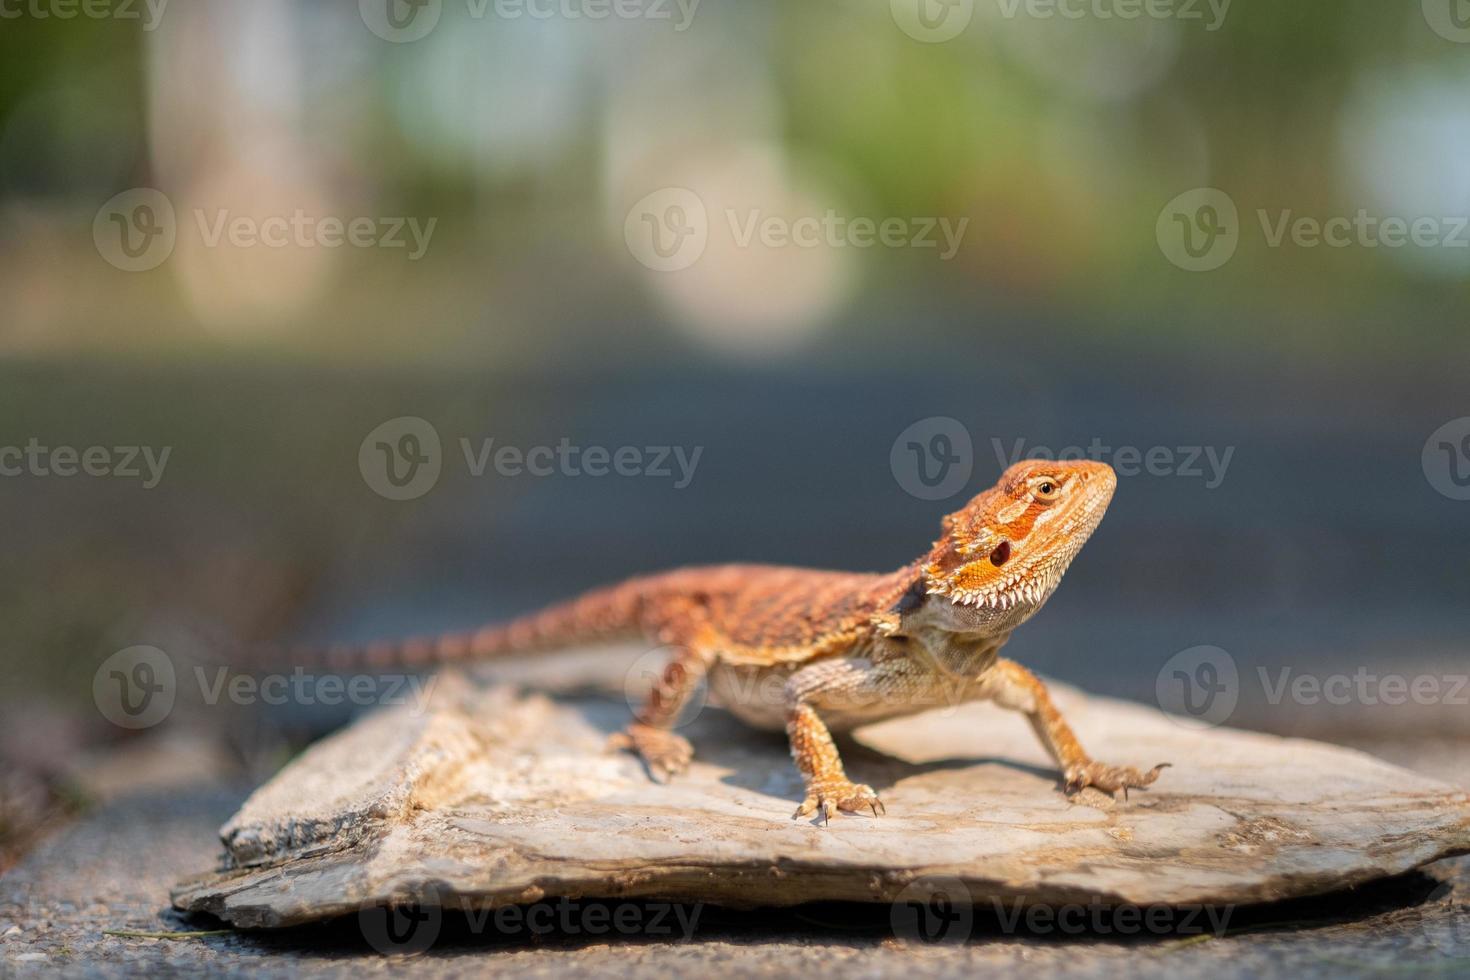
(780, 234)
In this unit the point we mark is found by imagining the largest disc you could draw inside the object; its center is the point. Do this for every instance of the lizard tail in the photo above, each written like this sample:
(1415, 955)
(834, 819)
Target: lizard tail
(600, 614)
(605, 613)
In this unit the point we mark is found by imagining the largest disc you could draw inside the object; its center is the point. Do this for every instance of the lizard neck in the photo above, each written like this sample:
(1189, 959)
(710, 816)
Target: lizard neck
(961, 655)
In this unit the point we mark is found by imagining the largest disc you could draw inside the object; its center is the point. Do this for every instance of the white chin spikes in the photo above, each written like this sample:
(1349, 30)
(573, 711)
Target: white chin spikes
(1005, 599)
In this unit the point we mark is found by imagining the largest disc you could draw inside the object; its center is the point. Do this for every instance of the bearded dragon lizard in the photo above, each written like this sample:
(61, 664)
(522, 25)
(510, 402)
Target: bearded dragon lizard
(842, 649)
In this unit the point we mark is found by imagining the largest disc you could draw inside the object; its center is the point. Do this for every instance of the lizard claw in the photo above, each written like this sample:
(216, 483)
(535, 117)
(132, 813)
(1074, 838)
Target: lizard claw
(1110, 779)
(827, 798)
(664, 753)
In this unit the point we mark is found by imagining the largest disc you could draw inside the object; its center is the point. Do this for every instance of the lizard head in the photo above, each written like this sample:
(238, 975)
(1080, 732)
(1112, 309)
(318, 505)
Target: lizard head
(1003, 554)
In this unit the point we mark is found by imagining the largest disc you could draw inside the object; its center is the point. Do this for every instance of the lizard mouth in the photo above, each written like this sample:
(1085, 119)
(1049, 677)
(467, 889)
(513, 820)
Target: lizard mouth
(990, 611)
(1021, 592)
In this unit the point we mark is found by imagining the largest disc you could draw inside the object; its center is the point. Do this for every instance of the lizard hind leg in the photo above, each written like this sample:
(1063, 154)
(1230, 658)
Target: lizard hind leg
(664, 752)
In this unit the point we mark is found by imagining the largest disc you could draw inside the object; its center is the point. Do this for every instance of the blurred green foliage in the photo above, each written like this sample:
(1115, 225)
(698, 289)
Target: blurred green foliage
(1062, 176)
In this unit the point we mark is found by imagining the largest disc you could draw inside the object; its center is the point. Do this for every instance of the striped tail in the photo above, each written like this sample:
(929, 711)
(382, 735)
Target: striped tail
(605, 613)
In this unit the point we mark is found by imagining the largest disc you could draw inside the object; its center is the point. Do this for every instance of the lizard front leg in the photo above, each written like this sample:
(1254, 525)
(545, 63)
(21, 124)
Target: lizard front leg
(827, 787)
(1012, 686)
(855, 690)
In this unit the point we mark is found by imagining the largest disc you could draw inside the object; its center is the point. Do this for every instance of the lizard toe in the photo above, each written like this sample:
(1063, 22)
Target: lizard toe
(828, 799)
(664, 753)
(1110, 779)
(860, 798)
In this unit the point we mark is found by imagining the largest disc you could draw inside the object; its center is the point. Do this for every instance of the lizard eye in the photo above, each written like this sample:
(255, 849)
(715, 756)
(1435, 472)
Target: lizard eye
(1048, 490)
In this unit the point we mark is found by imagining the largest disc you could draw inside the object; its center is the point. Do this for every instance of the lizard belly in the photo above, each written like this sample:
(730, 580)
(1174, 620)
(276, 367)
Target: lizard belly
(753, 693)
(757, 696)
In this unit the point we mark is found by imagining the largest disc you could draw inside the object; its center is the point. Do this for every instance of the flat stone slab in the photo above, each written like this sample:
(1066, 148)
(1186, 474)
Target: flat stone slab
(492, 796)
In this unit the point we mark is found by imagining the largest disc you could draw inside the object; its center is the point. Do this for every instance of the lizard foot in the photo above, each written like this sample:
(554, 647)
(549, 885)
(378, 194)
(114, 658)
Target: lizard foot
(839, 794)
(1110, 779)
(662, 751)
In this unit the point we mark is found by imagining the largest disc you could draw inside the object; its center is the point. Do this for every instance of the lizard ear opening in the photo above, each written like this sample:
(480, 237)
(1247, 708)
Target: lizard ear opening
(912, 598)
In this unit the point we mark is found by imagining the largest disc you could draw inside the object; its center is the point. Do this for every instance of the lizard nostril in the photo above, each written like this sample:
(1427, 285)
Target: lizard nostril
(1001, 554)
